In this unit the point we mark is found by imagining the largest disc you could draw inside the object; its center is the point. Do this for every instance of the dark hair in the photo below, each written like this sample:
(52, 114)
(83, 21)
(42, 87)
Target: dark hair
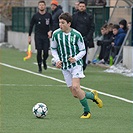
(116, 26)
(82, 2)
(42, 1)
(66, 16)
(105, 26)
(124, 23)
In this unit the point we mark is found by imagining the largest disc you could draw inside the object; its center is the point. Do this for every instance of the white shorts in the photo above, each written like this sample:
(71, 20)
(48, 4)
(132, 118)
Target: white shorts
(74, 72)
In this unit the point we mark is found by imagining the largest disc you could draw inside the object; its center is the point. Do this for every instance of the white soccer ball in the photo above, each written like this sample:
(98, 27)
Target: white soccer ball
(53, 62)
(40, 110)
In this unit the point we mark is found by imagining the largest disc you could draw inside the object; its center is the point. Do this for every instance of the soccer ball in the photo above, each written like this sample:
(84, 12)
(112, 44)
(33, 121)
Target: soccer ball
(53, 62)
(40, 110)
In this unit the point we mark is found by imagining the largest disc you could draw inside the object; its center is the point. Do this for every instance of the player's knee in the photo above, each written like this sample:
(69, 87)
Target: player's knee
(75, 96)
(75, 90)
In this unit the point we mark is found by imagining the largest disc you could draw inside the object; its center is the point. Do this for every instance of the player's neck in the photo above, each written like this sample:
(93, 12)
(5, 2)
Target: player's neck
(68, 30)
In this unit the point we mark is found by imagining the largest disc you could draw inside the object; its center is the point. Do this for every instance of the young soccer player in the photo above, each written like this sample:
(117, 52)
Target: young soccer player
(68, 48)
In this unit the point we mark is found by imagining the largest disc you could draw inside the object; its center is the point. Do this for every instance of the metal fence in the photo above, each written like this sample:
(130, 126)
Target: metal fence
(21, 17)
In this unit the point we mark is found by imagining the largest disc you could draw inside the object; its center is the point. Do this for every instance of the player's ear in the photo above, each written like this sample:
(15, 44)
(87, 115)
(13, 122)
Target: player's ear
(69, 23)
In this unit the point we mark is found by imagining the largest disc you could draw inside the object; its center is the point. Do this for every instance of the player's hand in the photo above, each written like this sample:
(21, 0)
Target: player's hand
(72, 59)
(59, 64)
(49, 34)
(112, 43)
(29, 39)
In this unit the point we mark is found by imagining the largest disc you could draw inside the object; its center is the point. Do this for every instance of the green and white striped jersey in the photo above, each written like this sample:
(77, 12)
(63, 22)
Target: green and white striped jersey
(65, 45)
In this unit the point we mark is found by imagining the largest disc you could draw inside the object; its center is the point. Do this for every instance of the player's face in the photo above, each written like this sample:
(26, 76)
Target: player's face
(82, 7)
(64, 26)
(41, 6)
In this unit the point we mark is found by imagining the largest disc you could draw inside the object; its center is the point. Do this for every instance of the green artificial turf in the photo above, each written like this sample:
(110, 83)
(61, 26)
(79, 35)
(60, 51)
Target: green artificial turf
(20, 90)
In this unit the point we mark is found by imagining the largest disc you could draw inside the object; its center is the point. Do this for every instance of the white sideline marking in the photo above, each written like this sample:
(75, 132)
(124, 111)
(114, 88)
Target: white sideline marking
(54, 68)
(30, 85)
(61, 81)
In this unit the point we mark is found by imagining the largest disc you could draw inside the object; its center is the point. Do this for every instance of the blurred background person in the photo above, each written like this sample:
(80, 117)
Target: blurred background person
(100, 2)
(56, 12)
(76, 6)
(43, 31)
(119, 35)
(123, 25)
(84, 23)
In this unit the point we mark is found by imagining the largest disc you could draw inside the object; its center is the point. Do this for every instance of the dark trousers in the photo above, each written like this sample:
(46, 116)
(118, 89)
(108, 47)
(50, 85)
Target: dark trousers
(42, 56)
(102, 51)
(42, 45)
(85, 56)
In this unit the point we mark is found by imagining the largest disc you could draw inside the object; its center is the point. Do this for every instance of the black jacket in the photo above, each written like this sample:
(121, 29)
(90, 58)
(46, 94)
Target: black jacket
(83, 22)
(43, 24)
(55, 17)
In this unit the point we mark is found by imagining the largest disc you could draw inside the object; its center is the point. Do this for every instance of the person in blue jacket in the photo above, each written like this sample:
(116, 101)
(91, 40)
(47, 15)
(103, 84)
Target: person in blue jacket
(119, 35)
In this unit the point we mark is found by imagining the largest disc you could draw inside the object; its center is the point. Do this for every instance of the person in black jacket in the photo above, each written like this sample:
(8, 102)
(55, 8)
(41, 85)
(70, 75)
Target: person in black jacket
(43, 31)
(76, 6)
(105, 43)
(83, 22)
(56, 12)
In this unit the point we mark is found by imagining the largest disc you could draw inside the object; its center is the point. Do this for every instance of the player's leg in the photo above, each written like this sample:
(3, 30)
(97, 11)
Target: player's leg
(77, 74)
(81, 96)
(68, 78)
(45, 56)
(38, 46)
(39, 60)
(46, 45)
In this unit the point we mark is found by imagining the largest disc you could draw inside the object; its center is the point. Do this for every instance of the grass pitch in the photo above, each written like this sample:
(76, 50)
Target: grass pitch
(21, 89)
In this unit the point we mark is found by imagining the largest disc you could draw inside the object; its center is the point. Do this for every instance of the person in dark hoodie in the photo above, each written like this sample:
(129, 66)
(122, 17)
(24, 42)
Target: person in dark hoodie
(123, 25)
(56, 12)
(84, 23)
(119, 35)
(105, 43)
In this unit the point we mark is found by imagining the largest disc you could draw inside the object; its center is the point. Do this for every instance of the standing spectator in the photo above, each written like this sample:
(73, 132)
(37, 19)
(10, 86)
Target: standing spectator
(68, 48)
(56, 12)
(76, 7)
(43, 26)
(83, 22)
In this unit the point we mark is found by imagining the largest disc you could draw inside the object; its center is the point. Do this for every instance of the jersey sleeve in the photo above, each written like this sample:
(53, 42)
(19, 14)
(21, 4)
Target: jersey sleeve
(54, 49)
(82, 50)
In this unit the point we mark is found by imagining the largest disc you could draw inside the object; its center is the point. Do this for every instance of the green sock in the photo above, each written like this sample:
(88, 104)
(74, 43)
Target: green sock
(89, 95)
(85, 105)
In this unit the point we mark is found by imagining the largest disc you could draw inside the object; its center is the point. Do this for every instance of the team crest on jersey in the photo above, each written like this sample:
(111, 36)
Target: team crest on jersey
(47, 21)
(72, 39)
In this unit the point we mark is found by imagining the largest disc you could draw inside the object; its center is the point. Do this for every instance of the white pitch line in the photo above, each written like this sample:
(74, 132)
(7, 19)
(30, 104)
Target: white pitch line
(31, 85)
(53, 68)
(61, 81)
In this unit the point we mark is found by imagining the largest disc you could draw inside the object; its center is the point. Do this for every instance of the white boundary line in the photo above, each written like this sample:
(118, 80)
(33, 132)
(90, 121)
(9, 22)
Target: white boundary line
(30, 85)
(61, 81)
